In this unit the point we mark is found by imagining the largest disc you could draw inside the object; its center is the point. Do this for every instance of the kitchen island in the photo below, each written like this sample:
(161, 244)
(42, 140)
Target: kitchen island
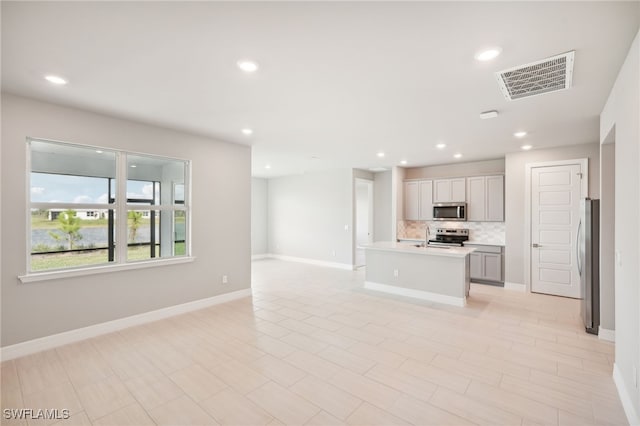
(437, 274)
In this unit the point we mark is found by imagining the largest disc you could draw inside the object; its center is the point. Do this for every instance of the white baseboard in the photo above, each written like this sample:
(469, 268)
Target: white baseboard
(625, 398)
(515, 286)
(312, 261)
(260, 256)
(71, 336)
(605, 334)
(416, 294)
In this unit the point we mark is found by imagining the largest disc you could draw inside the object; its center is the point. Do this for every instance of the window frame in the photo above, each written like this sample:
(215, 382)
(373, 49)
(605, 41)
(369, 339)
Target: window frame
(120, 207)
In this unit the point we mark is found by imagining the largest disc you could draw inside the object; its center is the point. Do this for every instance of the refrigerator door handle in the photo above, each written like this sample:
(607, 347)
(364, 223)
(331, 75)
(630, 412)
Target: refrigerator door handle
(578, 247)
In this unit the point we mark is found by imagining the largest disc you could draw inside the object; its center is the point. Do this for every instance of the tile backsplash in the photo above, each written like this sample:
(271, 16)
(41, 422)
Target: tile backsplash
(486, 232)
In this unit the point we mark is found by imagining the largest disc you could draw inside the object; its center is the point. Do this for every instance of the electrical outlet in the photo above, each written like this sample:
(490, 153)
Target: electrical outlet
(346, 228)
(225, 279)
(395, 273)
(333, 253)
(618, 258)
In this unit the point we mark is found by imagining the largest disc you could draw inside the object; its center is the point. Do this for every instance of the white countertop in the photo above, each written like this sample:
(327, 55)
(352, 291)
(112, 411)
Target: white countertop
(410, 248)
(484, 243)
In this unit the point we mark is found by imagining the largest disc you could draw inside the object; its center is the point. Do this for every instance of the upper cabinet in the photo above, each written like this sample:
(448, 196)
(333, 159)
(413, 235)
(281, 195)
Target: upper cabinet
(426, 200)
(418, 203)
(412, 200)
(485, 198)
(449, 190)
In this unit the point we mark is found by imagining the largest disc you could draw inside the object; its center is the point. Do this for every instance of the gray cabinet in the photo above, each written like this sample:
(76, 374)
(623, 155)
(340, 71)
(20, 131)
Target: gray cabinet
(426, 200)
(486, 263)
(411, 201)
(485, 198)
(495, 198)
(418, 203)
(449, 190)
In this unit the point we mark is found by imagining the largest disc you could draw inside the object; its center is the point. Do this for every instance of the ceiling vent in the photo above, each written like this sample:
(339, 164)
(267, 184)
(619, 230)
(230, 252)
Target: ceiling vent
(545, 76)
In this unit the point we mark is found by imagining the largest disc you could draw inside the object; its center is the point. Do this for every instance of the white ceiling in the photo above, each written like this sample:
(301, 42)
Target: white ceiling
(339, 81)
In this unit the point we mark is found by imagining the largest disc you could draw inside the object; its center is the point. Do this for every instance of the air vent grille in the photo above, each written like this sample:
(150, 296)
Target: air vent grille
(544, 76)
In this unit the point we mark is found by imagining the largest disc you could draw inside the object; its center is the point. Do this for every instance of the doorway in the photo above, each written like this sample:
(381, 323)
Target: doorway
(364, 219)
(555, 190)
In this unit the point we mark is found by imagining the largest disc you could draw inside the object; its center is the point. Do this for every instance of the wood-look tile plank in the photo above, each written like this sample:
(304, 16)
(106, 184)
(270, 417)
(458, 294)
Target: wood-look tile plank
(131, 415)
(103, 397)
(371, 415)
(402, 381)
(283, 404)
(471, 409)
(181, 411)
(346, 359)
(197, 382)
(228, 407)
(326, 396)
(513, 403)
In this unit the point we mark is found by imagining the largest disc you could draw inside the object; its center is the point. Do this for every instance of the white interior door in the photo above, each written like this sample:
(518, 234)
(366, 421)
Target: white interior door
(555, 212)
(364, 218)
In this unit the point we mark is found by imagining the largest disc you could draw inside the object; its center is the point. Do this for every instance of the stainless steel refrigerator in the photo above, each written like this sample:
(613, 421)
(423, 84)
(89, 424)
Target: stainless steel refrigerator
(589, 262)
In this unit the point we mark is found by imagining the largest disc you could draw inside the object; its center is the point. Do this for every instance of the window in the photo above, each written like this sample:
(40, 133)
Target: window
(93, 206)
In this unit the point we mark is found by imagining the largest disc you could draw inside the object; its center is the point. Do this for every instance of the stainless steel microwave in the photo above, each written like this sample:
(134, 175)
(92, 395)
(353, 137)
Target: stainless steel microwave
(450, 211)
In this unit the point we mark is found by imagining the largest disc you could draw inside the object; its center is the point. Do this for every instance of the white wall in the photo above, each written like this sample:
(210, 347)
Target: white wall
(382, 206)
(622, 115)
(220, 218)
(473, 168)
(515, 197)
(259, 197)
(607, 236)
(307, 215)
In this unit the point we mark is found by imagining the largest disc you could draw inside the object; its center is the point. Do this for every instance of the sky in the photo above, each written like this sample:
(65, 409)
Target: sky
(80, 189)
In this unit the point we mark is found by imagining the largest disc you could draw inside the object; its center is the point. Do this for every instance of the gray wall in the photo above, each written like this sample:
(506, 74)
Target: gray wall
(220, 218)
(307, 215)
(259, 197)
(515, 197)
(382, 206)
(473, 168)
(622, 115)
(607, 236)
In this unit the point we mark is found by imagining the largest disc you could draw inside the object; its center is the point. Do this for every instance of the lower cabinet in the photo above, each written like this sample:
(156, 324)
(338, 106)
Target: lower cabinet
(486, 263)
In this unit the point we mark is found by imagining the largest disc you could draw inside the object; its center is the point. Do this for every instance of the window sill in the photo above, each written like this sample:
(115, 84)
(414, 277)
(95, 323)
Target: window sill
(70, 273)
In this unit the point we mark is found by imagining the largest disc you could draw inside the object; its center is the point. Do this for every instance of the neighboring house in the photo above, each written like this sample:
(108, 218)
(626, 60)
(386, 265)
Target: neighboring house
(84, 214)
(87, 214)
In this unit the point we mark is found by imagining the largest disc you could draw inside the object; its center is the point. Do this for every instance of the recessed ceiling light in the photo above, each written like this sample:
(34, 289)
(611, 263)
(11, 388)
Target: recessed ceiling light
(526, 147)
(248, 66)
(133, 166)
(488, 114)
(268, 166)
(55, 80)
(488, 54)
(403, 162)
(99, 152)
(247, 131)
(441, 146)
(458, 155)
(380, 154)
(520, 134)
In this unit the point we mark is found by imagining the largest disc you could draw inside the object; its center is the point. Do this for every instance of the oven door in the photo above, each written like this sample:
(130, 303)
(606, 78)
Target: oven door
(450, 211)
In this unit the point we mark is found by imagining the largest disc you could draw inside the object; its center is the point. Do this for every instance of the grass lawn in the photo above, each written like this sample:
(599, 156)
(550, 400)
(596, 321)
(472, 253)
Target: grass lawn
(44, 262)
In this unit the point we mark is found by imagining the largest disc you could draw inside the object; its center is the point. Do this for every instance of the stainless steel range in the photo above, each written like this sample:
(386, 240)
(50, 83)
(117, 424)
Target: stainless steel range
(449, 237)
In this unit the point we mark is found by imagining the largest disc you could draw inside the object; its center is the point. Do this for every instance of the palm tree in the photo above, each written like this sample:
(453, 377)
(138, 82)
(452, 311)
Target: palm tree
(69, 230)
(135, 219)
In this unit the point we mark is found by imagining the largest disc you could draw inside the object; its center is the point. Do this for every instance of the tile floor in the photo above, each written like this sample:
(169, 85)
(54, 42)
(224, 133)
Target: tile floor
(312, 348)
